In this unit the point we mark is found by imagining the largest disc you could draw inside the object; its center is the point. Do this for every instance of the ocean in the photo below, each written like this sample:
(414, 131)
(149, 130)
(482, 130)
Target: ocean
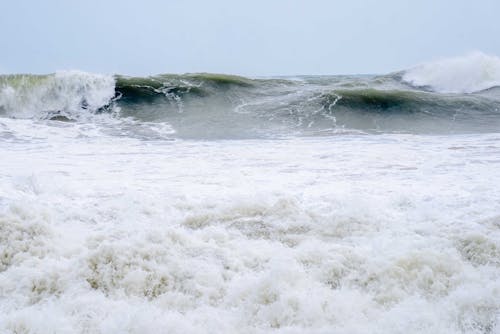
(208, 203)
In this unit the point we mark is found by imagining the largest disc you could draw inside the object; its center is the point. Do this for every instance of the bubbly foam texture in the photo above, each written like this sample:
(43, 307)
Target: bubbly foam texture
(67, 93)
(107, 227)
(356, 234)
(471, 73)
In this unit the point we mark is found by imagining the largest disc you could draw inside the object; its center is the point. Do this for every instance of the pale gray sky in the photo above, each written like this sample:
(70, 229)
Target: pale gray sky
(255, 37)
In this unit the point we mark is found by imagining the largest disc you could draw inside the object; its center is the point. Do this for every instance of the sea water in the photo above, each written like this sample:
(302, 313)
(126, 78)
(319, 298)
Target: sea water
(219, 204)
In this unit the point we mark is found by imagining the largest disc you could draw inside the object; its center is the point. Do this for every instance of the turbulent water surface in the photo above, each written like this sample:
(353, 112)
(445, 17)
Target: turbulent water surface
(204, 203)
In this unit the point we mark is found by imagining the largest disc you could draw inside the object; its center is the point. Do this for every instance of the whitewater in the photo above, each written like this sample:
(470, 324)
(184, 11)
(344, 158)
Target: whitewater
(206, 203)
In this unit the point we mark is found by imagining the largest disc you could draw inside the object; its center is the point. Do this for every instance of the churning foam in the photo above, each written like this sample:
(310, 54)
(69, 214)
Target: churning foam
(471, 73)
(356, 234)
(28, 96)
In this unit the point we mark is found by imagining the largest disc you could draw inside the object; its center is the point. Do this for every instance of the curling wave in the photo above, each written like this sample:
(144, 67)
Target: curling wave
(425, 99)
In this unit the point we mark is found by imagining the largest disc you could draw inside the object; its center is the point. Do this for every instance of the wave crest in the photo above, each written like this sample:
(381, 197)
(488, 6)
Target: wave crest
(226, 106)
(468, 74)
(64, 93)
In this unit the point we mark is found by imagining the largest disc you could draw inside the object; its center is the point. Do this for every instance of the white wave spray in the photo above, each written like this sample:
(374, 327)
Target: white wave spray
(68, 92)
(467, 74)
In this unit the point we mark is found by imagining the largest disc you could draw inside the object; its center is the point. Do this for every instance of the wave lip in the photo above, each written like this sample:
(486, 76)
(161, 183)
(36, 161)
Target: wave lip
(471, 73)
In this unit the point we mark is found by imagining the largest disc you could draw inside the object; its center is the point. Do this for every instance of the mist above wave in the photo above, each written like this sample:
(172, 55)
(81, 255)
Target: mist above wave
(471, 73)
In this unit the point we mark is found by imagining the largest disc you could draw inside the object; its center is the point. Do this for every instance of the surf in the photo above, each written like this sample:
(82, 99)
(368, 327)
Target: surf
(458, 95)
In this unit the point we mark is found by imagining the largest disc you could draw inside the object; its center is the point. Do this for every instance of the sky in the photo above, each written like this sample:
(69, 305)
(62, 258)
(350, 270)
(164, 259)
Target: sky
(253, 37)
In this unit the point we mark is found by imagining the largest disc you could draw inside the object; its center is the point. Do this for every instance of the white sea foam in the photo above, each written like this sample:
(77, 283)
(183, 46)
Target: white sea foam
(67, 92)
(467, 74)
(355, 234)
(109, 228)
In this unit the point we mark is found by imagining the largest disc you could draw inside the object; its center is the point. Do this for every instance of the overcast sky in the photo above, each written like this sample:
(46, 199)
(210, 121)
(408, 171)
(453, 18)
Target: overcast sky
(253, 37)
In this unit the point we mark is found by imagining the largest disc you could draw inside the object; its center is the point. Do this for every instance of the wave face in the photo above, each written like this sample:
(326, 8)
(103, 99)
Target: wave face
(454, 96)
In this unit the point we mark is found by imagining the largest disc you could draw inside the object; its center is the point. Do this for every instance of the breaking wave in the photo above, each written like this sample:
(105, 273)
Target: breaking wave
(468, 74)
(455, 95)
(67, 93)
